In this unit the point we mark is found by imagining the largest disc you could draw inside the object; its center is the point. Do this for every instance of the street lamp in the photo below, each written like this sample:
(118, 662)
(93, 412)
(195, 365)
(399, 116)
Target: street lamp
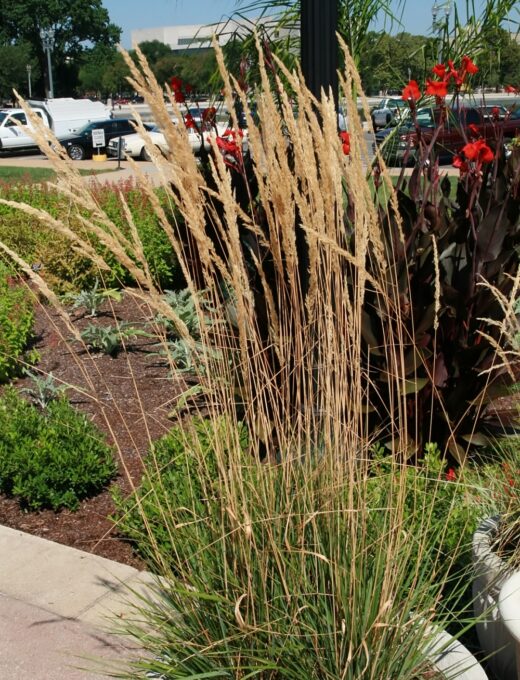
(440, 24)
(47, 37)
(29, 69)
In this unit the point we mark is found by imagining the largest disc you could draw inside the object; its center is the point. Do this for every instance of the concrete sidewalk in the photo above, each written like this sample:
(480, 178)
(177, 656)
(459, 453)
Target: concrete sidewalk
(56, 605)
(107, 171)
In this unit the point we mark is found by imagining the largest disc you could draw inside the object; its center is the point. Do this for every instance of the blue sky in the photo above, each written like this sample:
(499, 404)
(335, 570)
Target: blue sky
(134, 14)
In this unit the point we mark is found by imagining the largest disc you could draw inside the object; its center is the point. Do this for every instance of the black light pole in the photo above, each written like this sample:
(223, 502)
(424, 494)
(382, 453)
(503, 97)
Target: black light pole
(319, 47)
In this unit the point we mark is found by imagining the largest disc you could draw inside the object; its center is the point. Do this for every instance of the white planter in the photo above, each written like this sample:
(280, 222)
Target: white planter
(452, 659)
(509, 607)
(489, 575)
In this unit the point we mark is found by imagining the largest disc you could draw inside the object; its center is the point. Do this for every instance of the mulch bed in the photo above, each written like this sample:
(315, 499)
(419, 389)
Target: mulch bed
(128, 397)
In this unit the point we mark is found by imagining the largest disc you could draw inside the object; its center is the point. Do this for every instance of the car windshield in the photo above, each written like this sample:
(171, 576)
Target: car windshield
(3, 116)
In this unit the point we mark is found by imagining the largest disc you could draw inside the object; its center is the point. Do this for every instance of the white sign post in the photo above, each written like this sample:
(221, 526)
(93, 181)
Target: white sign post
(98, 142)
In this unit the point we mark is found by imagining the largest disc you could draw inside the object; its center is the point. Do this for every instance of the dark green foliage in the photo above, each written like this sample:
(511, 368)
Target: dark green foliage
(52, 458)
(16, 323)
(444, 352)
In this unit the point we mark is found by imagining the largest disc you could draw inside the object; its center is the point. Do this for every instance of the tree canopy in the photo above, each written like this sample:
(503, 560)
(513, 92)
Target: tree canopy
(77, 25)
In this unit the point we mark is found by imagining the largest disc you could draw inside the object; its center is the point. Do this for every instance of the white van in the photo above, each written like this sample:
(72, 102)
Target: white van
(64, 116)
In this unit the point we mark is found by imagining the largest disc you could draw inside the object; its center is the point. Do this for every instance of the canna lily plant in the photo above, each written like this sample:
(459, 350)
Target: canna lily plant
(451, 245)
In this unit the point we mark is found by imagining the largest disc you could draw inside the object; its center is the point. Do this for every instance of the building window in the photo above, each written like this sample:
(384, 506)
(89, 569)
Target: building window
(194, 40)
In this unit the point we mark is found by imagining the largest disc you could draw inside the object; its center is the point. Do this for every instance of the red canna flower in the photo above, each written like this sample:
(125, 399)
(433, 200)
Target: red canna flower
(345, 139)
(450, 475)
(440, 70)
(411, 92)
(468, 66)
(228, 146)
(453, 73)
(474, 130)
(438, 88)
(189, 122)
(495, 113)
(461, 164)
(478, 151)
(188, 88)
(176, 84)
(512, 89)
(179, 97)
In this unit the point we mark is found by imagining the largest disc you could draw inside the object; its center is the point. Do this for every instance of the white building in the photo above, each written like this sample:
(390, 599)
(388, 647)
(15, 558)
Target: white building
(197, 36)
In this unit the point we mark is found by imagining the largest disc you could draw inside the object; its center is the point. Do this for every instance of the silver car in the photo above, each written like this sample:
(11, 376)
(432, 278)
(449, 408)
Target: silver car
(389, 111)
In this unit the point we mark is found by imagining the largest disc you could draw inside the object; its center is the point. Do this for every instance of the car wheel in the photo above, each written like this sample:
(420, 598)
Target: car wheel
(388, 118)
(374, 124)
(145, 154)
(76, 152)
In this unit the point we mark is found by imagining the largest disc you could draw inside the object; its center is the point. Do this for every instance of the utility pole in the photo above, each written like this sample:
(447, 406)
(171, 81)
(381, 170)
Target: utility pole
(319, 46)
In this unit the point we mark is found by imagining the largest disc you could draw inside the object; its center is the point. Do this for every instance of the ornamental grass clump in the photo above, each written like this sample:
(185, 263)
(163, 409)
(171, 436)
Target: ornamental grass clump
(280, 557)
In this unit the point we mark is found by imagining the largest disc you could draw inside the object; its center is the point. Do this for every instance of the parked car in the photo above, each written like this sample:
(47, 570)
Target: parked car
(389, 111)
(399, 145)
(80, 145)
(134, 145)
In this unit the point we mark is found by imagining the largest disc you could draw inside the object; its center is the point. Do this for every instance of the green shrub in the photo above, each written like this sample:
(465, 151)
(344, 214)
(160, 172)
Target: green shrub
(51, 458)
(16, 324)
(172, 479)
(65, 269)
(438, 491)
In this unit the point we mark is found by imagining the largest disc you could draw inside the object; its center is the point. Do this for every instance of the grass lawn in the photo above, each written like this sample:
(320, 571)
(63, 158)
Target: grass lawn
(14, 173)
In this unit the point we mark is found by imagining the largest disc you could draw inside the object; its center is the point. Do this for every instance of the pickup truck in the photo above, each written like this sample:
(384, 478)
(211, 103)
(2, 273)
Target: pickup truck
(401, 144)
(64, 116)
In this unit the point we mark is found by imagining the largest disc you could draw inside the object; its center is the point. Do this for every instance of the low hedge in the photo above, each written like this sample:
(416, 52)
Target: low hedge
(50, 458)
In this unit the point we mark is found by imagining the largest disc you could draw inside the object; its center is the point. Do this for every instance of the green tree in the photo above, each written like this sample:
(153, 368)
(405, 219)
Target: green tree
(499, 63)
(75, 22)
(14, 60)
(154, 50)
(196, 67)
(103, 71)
